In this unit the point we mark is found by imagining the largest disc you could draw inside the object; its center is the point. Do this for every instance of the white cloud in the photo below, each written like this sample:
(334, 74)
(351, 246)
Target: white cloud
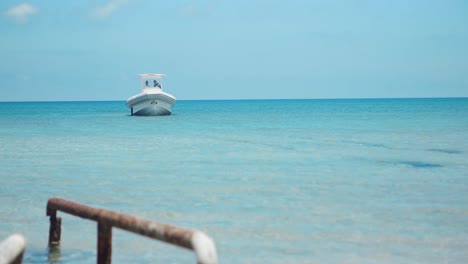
(109, 8)
(22, 12)
(186, 11)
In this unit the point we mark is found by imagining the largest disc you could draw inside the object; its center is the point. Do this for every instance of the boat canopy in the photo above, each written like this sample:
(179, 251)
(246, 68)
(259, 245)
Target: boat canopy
(151, 80)
(146, 76)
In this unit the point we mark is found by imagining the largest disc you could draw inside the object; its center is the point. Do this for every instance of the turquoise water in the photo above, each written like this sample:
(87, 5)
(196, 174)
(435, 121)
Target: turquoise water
(272, 181)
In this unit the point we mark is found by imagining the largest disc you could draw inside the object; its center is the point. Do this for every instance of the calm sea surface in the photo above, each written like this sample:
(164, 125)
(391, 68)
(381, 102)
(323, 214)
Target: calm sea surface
(272, 181)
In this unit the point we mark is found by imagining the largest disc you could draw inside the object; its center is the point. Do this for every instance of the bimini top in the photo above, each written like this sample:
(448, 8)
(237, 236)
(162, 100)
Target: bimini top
(152, 75)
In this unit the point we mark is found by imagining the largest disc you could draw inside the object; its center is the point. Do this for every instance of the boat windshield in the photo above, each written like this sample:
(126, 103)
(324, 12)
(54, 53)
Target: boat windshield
(152, 83)
(151, 80)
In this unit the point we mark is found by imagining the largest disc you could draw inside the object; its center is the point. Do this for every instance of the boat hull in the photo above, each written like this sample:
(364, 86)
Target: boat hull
(151, 103)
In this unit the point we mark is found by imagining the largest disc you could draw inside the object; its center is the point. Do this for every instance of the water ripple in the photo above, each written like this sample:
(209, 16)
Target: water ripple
(447, 151)
(419, 164)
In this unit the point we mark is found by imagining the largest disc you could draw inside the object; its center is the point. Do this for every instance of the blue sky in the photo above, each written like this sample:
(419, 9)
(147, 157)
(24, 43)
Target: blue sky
(244, 49)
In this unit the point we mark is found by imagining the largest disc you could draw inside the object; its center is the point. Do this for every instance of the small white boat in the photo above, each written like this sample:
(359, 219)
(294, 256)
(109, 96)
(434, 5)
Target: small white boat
(152, 101)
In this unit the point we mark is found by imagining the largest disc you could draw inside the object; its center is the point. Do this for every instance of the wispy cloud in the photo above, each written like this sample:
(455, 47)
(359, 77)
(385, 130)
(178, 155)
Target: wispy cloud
(186, 10)
(107, 9)
(21, 12)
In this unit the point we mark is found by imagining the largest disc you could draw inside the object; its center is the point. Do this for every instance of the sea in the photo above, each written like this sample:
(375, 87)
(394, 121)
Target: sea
(271, 181)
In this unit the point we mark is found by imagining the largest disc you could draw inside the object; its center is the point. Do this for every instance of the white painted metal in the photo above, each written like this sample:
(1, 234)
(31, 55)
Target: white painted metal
(205, 248)
(12, 249)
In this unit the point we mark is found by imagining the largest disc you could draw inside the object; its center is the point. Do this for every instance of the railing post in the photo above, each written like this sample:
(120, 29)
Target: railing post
(104, 244)
(55, 229)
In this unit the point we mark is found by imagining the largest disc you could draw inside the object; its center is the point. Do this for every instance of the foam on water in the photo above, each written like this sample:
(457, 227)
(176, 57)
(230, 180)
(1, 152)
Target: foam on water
(277, 181)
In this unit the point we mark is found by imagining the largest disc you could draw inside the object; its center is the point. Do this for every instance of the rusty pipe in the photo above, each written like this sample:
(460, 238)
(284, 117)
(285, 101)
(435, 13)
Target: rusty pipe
(191, 239)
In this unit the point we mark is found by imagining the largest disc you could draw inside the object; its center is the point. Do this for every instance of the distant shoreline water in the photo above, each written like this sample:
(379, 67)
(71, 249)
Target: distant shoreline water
(253, 99)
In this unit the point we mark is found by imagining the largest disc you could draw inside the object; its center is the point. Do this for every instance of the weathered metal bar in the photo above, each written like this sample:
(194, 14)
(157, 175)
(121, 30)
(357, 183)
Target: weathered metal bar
(55, 228)
(12, 249)
(104, 244)
(187, 238)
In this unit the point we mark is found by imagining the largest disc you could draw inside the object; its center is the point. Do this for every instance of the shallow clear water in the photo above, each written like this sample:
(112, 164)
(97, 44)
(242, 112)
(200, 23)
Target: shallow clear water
(272, 181)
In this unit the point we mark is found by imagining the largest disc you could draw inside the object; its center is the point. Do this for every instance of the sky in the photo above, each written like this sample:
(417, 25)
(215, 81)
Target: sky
(243, 49)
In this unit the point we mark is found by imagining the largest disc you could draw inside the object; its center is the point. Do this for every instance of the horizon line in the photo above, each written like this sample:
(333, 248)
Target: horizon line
(246, 99)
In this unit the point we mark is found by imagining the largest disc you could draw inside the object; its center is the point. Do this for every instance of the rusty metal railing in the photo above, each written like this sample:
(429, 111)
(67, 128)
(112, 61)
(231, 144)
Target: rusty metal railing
(200, 243)
(12, 249)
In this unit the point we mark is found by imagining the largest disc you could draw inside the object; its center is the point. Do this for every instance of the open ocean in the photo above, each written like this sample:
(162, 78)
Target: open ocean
(271, 181)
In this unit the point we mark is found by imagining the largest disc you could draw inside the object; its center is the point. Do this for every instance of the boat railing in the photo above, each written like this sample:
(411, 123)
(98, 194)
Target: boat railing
(12, 249)
(195, 240)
